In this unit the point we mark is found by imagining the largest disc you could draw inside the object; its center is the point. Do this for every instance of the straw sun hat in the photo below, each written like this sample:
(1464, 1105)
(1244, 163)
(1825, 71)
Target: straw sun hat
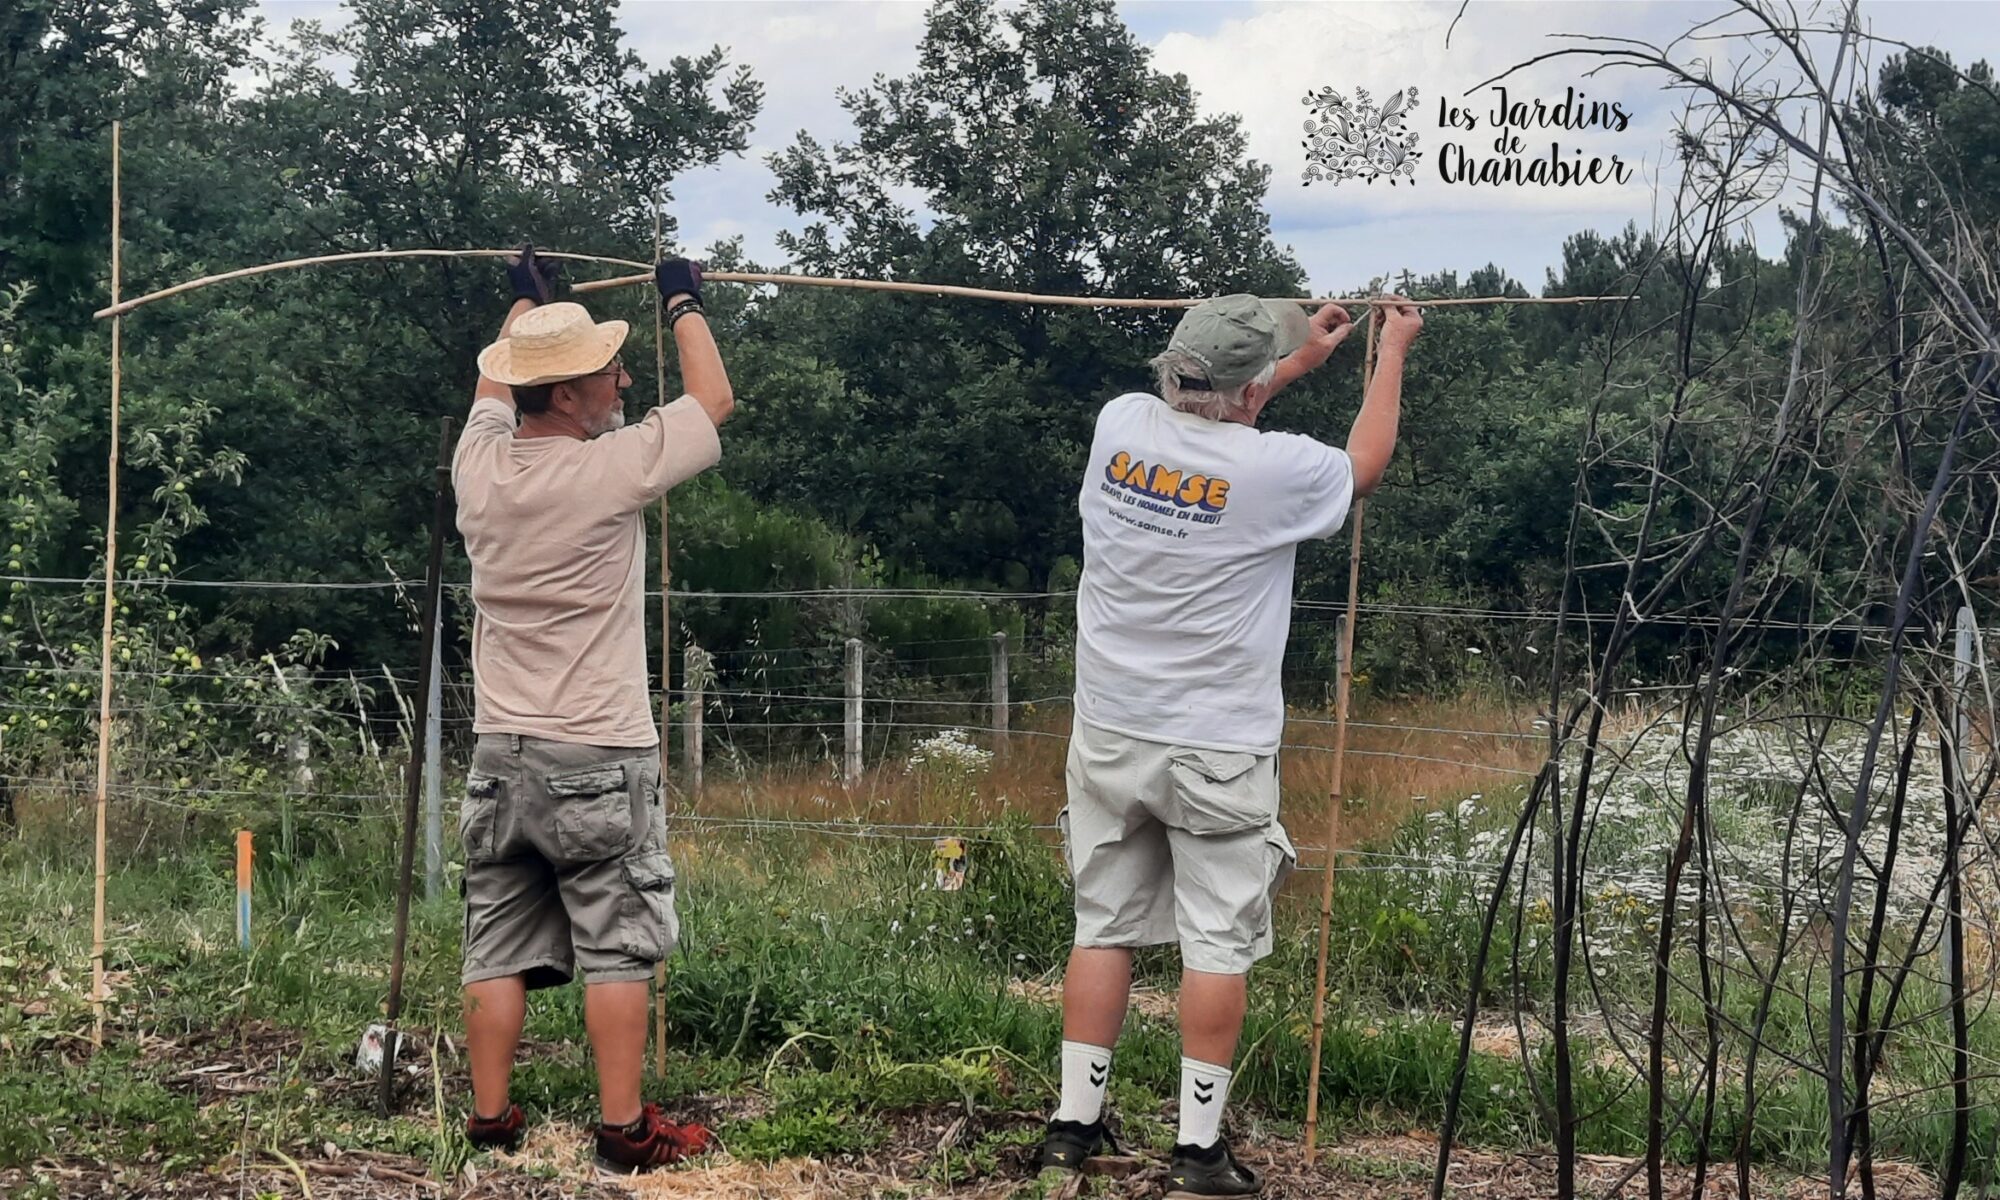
(551, 343)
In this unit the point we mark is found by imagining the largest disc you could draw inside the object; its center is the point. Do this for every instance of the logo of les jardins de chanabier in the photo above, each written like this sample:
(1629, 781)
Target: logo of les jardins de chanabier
(1495, 141)
(1359, 139)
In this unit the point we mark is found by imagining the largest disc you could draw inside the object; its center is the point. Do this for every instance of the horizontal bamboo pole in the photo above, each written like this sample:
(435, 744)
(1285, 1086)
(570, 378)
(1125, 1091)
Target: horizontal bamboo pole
(293, 264)
(754, 277)
(973, 293)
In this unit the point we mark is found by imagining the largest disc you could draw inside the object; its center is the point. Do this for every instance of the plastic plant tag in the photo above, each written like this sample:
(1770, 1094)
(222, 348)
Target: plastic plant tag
(948, 863)
(368, 1056)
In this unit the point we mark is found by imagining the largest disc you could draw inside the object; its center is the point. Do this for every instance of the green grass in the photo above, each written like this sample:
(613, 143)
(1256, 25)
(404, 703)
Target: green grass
(822, 989)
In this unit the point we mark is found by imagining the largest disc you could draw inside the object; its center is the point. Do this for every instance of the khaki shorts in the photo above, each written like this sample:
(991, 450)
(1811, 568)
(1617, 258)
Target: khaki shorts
(1170, 843)
(565, 862)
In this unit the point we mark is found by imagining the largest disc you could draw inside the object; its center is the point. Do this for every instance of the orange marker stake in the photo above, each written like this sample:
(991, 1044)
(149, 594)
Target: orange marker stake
(243, 856)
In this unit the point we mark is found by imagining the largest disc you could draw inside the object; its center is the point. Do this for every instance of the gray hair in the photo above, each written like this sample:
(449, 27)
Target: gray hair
(1175, 365)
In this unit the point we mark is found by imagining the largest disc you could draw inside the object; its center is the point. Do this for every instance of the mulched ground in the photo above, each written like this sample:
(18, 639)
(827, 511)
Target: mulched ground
(251, 1057)
(555, 1164)
(347, 1176)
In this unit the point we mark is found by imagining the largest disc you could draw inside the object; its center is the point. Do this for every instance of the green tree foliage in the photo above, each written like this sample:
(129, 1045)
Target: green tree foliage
(1049, 156)
(68, 68)
(1944, 118)
(193, 723)
(418, 124)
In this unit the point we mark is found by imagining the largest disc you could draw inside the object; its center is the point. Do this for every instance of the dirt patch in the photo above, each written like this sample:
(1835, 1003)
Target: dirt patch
(920, 1149)
(562, 1152)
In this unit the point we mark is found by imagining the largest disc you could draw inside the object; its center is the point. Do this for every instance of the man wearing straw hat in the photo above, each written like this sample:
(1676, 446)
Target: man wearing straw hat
(1192, 518)
(565, 835)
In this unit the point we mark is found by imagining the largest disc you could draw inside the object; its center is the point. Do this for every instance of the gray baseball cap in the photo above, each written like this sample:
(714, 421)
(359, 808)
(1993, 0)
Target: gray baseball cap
(1235, 337)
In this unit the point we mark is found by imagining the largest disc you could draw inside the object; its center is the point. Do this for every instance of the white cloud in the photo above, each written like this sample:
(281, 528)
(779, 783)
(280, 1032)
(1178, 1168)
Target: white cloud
(802, 53)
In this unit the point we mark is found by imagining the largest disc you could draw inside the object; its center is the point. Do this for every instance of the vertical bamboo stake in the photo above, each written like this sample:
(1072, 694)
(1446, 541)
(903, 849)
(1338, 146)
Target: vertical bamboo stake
(666, 651)
(110, 607)
(1338, 796)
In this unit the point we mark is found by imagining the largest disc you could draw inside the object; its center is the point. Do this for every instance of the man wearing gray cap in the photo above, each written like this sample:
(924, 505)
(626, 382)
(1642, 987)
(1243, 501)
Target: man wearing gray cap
(1192, 519)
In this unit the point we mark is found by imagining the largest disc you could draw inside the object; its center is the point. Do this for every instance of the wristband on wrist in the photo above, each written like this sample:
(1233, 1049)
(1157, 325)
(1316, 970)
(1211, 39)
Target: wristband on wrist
(682, 309)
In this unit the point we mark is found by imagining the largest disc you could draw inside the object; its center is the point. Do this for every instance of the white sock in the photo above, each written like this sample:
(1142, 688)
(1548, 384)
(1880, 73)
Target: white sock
(1204, 1090)
(1086, 1072)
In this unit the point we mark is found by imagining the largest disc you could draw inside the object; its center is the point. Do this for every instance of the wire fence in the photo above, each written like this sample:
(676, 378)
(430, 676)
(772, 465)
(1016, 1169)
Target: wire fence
(816, 724)
(1850, 623)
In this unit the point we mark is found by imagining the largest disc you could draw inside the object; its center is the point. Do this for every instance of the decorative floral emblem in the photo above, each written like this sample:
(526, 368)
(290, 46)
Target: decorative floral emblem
(1358, 139)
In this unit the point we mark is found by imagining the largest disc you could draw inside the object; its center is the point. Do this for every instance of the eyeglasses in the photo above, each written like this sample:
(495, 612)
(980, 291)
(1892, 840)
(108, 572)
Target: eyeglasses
(616, 368)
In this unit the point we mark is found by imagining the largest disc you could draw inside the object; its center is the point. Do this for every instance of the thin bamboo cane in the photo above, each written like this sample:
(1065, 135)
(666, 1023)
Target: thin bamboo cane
(753, 277)
(666, 656)
(1338, 795)
(974, 293)
(293, 264)
(110, 608)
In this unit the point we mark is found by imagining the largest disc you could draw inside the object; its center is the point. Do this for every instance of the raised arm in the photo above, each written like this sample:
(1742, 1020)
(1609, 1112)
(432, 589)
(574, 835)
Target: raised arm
(702, 372)
(533, 282)
(1372, 440)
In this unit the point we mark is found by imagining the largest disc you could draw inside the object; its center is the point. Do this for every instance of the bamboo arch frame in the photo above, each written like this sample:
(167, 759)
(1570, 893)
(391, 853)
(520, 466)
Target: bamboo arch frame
(910, 287)
(119, 308)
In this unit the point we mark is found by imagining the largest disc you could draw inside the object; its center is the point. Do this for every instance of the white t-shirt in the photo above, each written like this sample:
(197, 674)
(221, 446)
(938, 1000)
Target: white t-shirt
(1190, 533)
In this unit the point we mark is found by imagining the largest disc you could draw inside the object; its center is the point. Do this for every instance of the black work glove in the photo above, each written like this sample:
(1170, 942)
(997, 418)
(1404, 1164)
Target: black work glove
(531, 278)
(677, 277)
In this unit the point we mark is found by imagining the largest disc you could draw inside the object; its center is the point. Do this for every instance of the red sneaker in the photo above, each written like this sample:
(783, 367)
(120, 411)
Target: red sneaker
(658, 1142)
(496, 1133)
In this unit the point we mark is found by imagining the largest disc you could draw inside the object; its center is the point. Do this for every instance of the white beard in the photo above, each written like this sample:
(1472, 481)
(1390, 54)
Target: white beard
(613, 422)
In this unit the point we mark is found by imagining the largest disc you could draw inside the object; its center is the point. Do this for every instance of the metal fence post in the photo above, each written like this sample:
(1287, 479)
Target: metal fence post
(1961, 678)
(697, 702)
(850, 771)
(434, 772)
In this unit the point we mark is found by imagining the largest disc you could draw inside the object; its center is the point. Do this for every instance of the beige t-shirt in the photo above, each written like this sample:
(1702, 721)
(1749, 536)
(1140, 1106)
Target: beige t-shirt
(554, 529)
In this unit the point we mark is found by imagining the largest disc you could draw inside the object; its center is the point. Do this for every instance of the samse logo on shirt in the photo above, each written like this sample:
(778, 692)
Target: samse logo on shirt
(1210, 493)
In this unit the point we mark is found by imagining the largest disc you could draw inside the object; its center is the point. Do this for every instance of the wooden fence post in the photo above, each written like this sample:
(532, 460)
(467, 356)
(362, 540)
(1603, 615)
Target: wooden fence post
(1000, 692)
(850, 771)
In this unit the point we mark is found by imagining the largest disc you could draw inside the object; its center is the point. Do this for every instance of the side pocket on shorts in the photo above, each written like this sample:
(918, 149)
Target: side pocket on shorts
(478, 815)
(1284, 858)
(1068, 850)
(653, 929)
(1281, 859)
(593, 814)
(1219, 792)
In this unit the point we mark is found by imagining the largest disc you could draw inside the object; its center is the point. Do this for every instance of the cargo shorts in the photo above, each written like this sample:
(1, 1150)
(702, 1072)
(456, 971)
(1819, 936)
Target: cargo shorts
(565, 862)
(1173, 843)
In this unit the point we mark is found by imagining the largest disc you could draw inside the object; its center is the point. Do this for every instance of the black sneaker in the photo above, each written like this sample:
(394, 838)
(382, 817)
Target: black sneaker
(1197, 1173)
(496, 1133)
(1068, 1143)
(651, 1141)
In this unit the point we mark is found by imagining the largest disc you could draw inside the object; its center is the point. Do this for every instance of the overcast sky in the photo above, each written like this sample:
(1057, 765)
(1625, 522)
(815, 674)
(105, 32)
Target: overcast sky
(1258, 59)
